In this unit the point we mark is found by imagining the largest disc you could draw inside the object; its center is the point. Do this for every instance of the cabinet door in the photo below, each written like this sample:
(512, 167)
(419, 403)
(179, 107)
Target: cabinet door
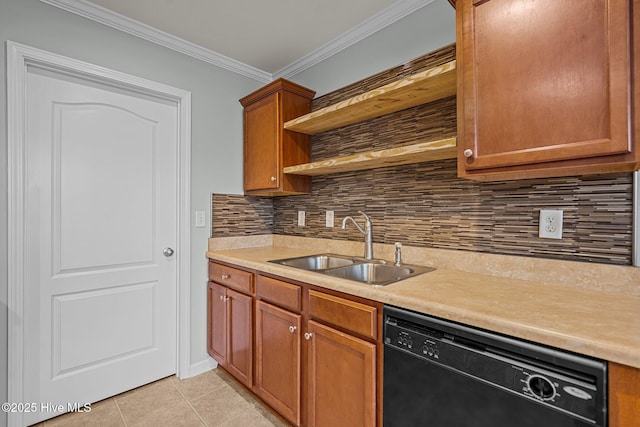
(278, 359)
(541, 83)
(262, 144)
(342, 378)
(217, 318)
(624, 395)
(240, 336)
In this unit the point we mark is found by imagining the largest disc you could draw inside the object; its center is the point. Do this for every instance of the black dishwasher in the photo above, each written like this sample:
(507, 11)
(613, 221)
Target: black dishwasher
(442, 374)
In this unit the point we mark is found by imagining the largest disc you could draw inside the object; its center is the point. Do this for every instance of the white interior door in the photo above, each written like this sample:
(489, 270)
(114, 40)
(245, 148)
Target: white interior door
(101, 189)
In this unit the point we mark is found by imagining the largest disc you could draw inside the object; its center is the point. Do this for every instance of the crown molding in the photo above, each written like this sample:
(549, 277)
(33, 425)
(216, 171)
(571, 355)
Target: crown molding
(388, 16)
(391, 14)
(136, 28)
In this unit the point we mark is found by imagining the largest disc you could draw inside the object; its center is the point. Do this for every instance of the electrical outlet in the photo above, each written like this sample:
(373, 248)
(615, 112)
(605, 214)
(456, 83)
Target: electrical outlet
(550, 226)
(301, 219)
(329, 219)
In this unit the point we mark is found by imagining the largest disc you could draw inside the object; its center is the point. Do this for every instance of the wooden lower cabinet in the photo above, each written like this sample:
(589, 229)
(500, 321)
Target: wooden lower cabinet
(277, 379)
(624, 396)
(240, 347)
(318, 355)
(341, 373)
(231, 331)
(217, 322)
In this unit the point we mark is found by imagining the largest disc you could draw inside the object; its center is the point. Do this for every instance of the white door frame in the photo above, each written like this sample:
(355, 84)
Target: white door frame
(19, 57)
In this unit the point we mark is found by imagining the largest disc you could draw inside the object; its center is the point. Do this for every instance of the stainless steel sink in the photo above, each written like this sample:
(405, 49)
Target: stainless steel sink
(316, 262)
(372, 272)
(377, 274)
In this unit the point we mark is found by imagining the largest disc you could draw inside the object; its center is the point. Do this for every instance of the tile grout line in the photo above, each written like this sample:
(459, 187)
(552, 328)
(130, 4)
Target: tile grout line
(120, 412)
(237, 415)
(189, 403)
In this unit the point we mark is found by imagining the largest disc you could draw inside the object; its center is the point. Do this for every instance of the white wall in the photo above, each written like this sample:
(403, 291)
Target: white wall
(216, 113)
(425, 30)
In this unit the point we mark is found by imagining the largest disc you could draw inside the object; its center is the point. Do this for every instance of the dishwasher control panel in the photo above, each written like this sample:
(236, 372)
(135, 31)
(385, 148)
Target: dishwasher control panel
(483, 360)
(417, 344)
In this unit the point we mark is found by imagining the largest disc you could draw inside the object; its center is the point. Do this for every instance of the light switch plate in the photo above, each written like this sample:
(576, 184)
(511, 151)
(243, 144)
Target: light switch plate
(201, 220)
(301, 219)
(550, 226)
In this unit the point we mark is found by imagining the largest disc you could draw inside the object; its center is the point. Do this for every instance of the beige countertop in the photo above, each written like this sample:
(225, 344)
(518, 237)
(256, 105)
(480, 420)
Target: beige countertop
(580, 319)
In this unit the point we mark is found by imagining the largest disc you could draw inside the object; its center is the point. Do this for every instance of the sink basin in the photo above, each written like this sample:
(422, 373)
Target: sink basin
(377, 274)
(372, 272)
(316, 262)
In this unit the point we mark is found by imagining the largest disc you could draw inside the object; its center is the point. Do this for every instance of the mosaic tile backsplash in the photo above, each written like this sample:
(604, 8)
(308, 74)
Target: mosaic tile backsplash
(426, 204)
(234, 215)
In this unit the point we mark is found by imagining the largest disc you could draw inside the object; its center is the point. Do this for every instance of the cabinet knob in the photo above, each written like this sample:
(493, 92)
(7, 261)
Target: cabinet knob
(224, 276)
(307, 335)
(273, 179)
(292, 329)
(221, 297)
(468, 152)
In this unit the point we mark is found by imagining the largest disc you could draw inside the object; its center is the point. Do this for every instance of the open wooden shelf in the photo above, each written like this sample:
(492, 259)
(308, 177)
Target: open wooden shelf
(416, 153)
(421, 88)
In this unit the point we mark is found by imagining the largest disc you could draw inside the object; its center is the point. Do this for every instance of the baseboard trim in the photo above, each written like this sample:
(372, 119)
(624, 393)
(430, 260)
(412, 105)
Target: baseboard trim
(201, 367)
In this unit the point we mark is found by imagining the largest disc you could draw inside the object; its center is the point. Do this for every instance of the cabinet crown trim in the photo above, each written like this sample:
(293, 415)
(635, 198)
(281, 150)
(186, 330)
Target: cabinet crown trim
(276, 86)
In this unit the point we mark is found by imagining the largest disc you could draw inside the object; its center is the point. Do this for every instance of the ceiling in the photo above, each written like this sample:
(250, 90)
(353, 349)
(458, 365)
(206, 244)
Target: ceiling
(264, 38)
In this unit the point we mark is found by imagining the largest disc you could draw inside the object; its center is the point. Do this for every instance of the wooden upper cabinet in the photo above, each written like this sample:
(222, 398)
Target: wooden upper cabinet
(544, 88)
(268, 147)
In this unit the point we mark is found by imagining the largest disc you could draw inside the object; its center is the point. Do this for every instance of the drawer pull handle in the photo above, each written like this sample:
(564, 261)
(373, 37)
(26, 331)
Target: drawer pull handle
(224, 276)
(307, 335)
(292, 329)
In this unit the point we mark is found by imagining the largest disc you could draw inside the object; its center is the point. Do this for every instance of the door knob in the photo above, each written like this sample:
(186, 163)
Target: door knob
(167, 252)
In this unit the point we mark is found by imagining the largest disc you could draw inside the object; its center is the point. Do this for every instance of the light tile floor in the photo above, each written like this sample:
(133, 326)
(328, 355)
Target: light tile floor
(210, 399)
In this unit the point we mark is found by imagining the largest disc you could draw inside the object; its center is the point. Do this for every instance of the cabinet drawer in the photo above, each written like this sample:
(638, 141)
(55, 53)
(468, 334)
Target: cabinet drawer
(278, 292)
(351, 315)
(231, 277)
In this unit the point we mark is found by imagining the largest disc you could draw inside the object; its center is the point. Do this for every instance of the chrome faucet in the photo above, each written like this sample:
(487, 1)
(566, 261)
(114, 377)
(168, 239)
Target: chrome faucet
(367, 231)
(398, 257)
